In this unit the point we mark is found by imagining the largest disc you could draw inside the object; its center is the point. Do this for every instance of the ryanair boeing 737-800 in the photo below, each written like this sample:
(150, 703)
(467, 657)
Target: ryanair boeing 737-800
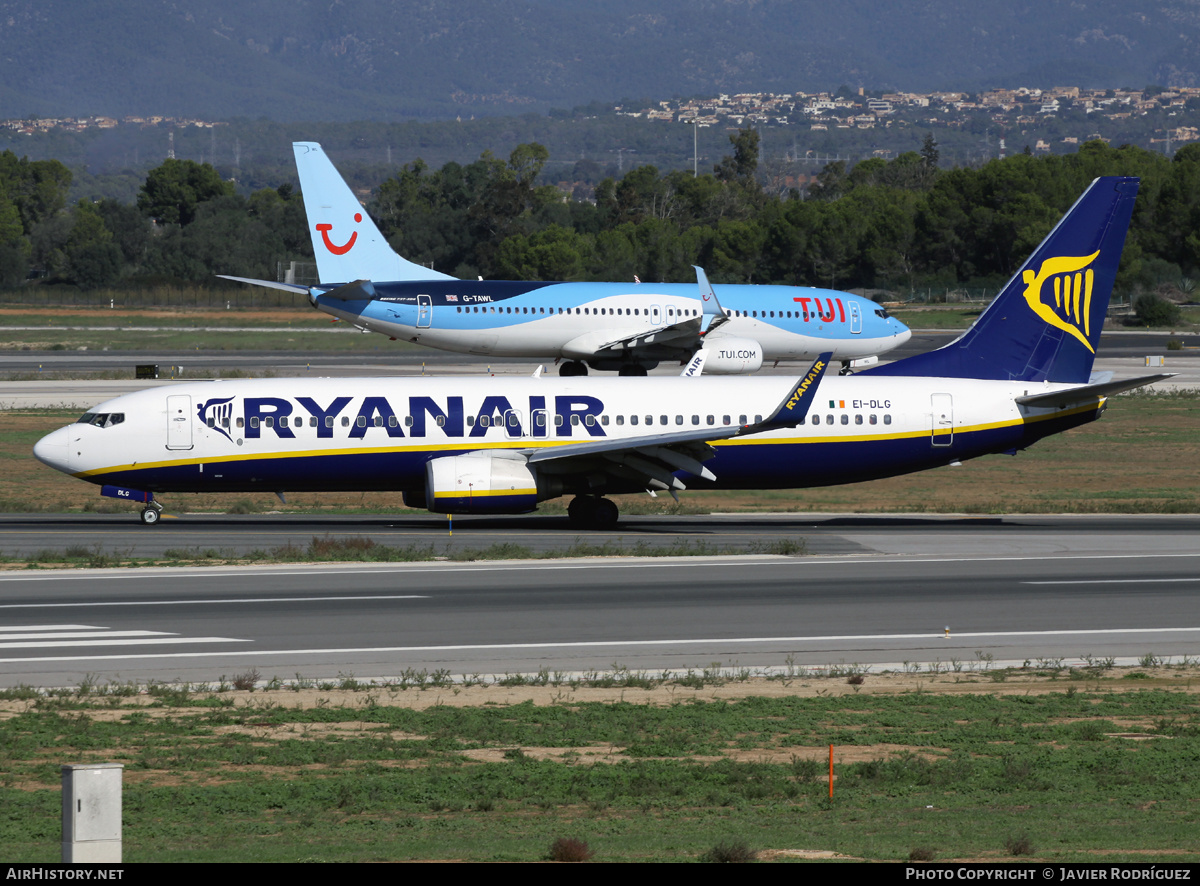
(502, 445)
(626, 327)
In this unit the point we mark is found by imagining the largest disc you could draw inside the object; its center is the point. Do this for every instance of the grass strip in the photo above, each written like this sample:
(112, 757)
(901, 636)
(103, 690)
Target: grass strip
(1059, 764)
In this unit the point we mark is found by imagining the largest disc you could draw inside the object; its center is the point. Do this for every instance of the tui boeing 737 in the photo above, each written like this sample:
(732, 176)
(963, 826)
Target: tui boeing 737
(502, 445)
(627, 327)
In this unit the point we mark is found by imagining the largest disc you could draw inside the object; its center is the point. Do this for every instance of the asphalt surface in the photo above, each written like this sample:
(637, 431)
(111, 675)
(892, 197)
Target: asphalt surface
(1008, 589)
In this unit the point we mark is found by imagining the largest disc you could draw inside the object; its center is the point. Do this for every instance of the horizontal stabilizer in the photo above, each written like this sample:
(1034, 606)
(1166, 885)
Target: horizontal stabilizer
(1086, 393)
(269, 284)
(359, 290)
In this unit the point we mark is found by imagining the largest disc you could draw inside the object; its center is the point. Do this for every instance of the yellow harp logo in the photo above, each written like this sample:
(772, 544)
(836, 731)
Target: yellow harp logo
(1072, 307)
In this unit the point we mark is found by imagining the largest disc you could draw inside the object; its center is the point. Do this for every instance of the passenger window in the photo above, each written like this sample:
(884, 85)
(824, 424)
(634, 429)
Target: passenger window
(539, 419)
(679, 419)
(345, 421)
(312, 421)
(558, 421)
(254, 422)
(470, 421)
(329, 421)
(742, 420)
(589, 420)
(816, 419)
(575, 420)
(620, 420)
(829, 419)
(712, 420)
(633, 419)
(241, 422)
(874, 419)
(361, 421)
(696, 420)
(758, 419)
(604, 420)
(485, 421)
(440, 421)
(858, 419)
(725, 420)
(887, 419)
(662, 420)
(845, 419)
(392, 421)
(269, 421)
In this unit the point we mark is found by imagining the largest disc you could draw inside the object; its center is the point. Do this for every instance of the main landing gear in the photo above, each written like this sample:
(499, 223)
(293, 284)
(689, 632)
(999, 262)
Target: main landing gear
(572, 368)
(151, 513)
(592, 512)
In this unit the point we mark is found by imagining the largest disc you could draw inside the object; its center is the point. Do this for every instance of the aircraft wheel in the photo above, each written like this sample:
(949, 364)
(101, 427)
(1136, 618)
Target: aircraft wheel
(150, 516)
(572, 368)
(632, 370)
(582, 511)
(606, 514)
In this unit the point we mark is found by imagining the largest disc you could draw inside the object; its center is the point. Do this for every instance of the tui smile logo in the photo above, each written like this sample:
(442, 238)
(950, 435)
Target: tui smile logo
(325, 228)
(1072, 308)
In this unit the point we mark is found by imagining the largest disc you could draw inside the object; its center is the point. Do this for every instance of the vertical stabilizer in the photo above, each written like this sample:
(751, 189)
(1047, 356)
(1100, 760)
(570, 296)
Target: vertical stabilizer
(1045, 324)
(345, 241)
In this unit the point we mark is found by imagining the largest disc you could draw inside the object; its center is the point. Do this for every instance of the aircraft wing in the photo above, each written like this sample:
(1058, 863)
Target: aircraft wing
(654, 459)
(686, 333)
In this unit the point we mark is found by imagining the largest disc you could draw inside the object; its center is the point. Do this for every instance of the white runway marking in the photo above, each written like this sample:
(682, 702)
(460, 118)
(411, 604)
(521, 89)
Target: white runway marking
(1111, 581)
(599, 644)
(74, 636)
(202, 602)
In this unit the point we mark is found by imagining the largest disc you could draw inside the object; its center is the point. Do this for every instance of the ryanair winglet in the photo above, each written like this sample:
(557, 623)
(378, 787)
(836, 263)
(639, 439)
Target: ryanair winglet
(794, 408)
(345, 241)
(1045, 324)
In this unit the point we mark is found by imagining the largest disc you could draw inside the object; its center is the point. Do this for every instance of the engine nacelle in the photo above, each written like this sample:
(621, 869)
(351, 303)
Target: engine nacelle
(728, 355)
(480, 484)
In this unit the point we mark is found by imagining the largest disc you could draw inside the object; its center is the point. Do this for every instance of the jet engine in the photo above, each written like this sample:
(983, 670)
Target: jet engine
(728, 355)
(480, 483)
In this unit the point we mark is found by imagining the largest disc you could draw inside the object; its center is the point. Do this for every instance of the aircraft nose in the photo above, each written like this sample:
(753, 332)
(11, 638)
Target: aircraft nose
(903, 335)
(54, 449)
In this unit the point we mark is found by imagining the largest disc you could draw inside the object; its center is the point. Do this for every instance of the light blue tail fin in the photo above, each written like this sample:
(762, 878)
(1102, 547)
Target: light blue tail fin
(345, 241)
(1045, 324)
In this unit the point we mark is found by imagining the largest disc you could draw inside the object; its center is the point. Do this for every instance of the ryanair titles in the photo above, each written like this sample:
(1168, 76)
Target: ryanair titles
(352, 418)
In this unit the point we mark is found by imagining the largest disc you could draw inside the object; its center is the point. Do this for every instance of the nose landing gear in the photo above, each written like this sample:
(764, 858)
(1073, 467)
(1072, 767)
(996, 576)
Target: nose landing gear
(151, 512)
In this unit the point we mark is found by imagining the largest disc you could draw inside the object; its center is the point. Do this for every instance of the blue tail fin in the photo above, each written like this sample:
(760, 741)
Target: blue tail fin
(345, 241)
(1045, 324)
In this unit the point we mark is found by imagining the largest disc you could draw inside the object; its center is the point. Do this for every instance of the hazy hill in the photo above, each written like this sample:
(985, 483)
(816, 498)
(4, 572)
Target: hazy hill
(303, 59)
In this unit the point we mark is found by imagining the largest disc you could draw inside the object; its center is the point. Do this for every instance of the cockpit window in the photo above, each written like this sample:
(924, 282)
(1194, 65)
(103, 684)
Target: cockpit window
(101, 419)
(880, 312)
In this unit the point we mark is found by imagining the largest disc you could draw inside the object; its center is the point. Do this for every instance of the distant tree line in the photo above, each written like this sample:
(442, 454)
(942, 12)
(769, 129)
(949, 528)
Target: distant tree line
(892, 225)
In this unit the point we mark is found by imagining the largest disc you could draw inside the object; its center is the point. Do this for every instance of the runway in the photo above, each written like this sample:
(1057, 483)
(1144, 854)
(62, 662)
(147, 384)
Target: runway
(867, 589)
(1007, 590)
